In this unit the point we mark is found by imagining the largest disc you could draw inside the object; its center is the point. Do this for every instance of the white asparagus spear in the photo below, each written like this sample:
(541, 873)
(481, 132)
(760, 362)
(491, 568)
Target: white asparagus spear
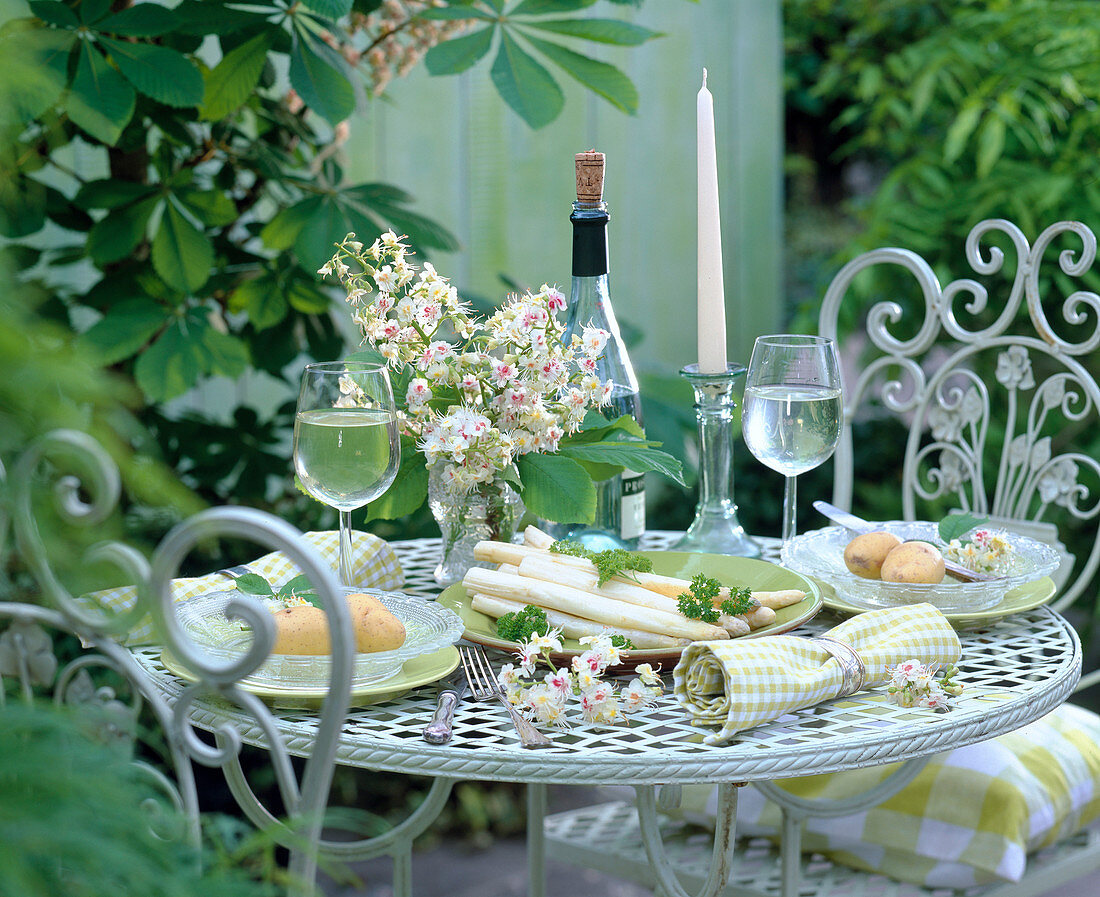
(594, 607)
(758, 617)
(510, 553)
(780, 599)
(536, 538)
(669, 586)
(548, 570)
(513, 555)
(576, 627)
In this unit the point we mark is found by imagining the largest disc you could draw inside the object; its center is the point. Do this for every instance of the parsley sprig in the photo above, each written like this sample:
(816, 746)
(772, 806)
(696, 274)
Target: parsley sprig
(609, 564)
(520, 625)
(698, 602)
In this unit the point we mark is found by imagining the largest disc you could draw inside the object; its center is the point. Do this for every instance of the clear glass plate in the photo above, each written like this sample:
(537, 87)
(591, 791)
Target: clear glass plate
(821, 554)
(428, 627)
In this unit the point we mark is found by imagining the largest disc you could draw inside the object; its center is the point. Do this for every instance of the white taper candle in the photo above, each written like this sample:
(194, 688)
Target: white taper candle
(711, 290)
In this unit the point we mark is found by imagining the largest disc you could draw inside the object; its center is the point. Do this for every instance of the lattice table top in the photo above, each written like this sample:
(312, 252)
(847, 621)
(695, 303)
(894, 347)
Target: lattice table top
(1014, 672)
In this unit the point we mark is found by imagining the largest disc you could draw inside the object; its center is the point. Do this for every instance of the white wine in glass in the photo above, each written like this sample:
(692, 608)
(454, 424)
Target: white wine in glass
(791, 413)
(346, 440)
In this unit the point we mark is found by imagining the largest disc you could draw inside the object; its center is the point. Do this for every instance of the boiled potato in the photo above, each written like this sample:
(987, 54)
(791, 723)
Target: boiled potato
(301, 630)
(913, 562)
(376, 629)
(864, 554)
(304, 629)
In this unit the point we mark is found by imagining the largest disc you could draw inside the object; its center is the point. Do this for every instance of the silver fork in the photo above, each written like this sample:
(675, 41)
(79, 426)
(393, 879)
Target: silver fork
(484, 686)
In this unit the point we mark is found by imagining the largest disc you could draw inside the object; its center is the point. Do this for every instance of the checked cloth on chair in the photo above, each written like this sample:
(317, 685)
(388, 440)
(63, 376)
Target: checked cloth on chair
(737, 684)
(373, 562)
(970, 817)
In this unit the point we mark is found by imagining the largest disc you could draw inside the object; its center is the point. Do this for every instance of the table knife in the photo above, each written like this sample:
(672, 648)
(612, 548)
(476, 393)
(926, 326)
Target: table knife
(859, 525)
(451, 690)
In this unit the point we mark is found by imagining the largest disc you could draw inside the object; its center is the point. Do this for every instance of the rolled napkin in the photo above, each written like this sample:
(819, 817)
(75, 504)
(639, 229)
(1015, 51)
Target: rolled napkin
(737, 684)
(374, 565)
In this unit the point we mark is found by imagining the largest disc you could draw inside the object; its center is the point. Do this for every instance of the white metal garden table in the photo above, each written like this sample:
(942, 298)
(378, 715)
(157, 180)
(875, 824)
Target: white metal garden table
(1015, 671)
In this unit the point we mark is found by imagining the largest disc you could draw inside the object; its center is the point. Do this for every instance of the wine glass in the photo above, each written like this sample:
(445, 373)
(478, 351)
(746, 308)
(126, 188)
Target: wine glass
(346, 443)
(790, 417)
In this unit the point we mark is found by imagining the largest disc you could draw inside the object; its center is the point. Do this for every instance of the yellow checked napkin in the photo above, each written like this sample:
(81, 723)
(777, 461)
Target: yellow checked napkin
(373, 562)
(737, 684)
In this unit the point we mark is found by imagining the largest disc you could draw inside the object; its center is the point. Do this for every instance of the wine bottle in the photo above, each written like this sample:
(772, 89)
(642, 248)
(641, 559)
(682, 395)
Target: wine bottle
(620, 500)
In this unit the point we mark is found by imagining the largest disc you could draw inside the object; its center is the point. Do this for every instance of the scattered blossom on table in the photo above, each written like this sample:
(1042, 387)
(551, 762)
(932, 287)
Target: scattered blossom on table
(914, 684)
(600, 701)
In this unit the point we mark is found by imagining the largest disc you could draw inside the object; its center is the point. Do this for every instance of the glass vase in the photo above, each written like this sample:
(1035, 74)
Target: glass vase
(488, 511)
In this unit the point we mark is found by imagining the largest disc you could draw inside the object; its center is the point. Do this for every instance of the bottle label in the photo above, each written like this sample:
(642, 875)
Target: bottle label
(633, 505)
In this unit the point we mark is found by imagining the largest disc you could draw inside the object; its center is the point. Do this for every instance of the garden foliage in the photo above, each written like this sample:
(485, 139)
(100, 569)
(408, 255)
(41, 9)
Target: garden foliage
(211, 128)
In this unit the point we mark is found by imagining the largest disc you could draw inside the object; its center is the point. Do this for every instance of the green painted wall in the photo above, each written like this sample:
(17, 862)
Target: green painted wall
(506, 190)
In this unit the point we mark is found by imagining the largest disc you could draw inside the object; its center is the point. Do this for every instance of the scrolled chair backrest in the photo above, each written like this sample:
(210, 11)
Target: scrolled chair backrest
(997, 394)
(86, 489)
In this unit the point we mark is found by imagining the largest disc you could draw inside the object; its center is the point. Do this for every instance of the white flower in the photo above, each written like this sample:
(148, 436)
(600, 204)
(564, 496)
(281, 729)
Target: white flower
(503, 373)
(438, 373)
(600, 705)
(555, 299)
(546, 705)
(528, 656)
(559, 681)
(593, 340)
(593, 661)
(385, 278)
(419, 393)
(551, 641)
(538, 343)
(648, 675)
(636, 695)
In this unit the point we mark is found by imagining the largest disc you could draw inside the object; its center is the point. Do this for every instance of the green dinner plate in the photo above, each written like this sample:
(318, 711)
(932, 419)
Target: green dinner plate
(1027, 597)
(419, 671)
(732, 571)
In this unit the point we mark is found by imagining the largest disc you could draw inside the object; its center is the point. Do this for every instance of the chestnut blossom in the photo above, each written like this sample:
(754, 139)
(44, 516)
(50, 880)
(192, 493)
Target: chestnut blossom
(527, 388)
(913, 684)
(418, 394)
(601, 702)
(551, 641)
(593, 341)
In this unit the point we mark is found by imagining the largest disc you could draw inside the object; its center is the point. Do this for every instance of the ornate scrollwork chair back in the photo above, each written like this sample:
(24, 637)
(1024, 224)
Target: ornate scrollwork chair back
(995, 395)
(79, 467)
(996, 400)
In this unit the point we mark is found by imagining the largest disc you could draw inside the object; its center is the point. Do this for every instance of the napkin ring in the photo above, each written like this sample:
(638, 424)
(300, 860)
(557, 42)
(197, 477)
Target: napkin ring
(852, 668)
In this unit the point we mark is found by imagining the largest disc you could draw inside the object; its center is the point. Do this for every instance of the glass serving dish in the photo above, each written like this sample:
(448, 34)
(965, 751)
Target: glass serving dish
(820, 554)
(428, 627)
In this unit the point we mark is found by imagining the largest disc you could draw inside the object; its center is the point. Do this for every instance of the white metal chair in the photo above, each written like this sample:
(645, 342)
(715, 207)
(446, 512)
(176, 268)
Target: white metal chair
(28, 648)
(995, 401)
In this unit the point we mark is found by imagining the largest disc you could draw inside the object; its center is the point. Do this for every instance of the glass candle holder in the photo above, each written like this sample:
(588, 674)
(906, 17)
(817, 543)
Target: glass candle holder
(716, 529)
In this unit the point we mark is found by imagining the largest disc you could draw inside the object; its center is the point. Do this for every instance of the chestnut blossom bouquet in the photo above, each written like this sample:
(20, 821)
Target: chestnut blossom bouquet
(913, 684)
(482, 398)
(600, 702)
